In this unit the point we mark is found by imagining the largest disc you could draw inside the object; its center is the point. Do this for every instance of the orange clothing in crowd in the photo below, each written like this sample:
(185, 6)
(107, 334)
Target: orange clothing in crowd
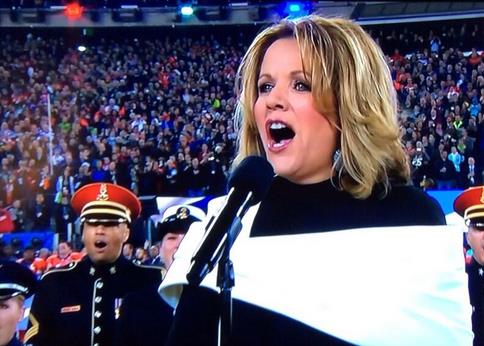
(55, 261)
(6, 223)
(39, 266)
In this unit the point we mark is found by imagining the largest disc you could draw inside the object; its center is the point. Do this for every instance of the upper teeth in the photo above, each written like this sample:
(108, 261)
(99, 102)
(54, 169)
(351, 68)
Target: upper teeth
(277, 126)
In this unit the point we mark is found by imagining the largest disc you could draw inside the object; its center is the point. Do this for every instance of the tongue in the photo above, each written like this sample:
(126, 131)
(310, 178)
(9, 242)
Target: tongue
(281, 143)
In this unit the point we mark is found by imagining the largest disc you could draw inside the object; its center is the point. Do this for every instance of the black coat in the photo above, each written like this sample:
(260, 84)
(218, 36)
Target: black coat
(476, 294)
(40, 215)
(466, 182)
(78, 305)
(145, 319)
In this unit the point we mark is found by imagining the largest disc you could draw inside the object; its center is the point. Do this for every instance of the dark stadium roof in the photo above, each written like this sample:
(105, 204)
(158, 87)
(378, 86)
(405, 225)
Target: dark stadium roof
(116, 13)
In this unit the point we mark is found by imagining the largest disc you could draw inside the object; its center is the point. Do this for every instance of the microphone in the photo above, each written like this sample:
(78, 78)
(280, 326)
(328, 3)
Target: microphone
(248, 185)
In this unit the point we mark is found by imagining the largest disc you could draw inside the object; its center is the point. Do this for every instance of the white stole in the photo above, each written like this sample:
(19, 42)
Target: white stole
(373, 286)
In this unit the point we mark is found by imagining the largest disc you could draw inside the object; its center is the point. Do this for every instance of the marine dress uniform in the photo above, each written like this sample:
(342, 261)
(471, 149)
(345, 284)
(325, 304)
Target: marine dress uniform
(78, 305)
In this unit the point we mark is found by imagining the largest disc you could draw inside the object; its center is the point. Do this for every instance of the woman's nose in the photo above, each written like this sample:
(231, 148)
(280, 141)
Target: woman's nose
(277, 98)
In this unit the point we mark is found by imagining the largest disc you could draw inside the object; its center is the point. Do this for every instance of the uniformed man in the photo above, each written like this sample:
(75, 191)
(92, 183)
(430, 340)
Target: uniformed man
(78, 305)
(145, 317)
(470, 205)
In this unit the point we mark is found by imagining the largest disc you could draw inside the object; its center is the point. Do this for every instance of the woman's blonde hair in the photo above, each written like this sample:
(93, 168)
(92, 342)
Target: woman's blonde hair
(342, 62)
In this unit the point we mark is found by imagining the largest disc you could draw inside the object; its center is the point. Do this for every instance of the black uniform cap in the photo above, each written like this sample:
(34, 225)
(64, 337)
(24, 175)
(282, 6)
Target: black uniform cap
(16, 279)
(178, 220)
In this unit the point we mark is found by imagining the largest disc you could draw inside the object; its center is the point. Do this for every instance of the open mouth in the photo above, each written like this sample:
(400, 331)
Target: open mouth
(280, 134)
(99, 244)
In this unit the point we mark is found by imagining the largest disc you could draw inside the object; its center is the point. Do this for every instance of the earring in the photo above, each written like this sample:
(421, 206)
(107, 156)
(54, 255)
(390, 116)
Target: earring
(336, 155)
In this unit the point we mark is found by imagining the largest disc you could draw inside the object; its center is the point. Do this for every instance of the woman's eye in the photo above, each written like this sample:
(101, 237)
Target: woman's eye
(302, 86)
(264, 88)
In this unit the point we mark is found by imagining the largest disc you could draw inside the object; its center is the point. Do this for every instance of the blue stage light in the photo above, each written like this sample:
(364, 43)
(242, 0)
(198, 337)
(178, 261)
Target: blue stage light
(293, 9)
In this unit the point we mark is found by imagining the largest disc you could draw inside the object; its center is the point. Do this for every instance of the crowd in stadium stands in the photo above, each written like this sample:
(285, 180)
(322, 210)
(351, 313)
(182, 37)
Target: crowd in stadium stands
(440, 86)
(155, 114)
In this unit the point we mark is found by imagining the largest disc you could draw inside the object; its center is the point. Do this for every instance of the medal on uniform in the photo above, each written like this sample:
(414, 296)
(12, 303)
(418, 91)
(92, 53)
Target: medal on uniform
(117, 306)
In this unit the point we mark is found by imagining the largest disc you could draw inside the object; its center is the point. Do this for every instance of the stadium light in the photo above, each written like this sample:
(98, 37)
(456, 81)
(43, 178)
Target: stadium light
(73, 11)
(294, 9)
(186, 10)
(81, 48)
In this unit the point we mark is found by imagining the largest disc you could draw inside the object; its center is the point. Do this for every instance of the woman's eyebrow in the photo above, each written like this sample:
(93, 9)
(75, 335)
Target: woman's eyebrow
(296, 73)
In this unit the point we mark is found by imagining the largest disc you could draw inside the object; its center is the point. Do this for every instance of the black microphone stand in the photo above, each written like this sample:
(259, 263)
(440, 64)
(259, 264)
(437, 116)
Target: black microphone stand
(225, 281)
(248, 185)
(225, 272)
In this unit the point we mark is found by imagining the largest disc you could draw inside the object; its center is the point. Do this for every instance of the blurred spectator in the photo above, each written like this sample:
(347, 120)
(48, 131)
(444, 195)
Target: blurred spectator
(98, 173)
(63, 257)
(195, 179)
(141, 256)
(9, 253)
(6, 223)
(39, 266)
(456, 158)
(45, 181)
(64, 217)
(470, 175)
(128, 251)
(154, 256)
(40, 214)
(445, 172)
(83, 177)
(419, 160)
(18, 215)
(65, 185)
(28, 257)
